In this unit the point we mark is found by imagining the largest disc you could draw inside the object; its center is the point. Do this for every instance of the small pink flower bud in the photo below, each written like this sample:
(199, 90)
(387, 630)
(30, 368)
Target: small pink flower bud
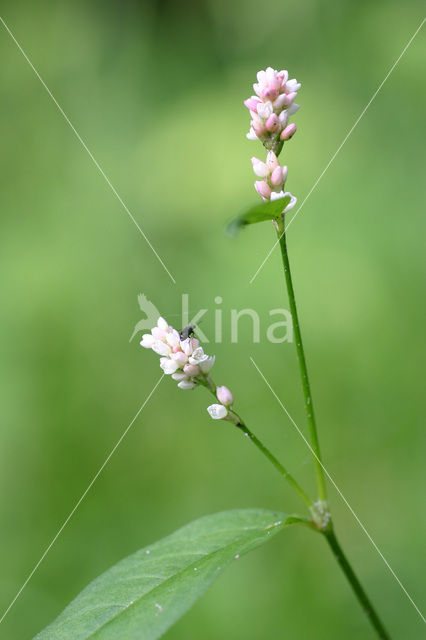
(263, 189)
(269, 93)
(279, 103)
(272, 122)
(251, 103)
(180, 357)
(290, 98)
(272, 161)
(224, 396)
(277, 177)
(288, 132)
(192, 370)
(258, 128)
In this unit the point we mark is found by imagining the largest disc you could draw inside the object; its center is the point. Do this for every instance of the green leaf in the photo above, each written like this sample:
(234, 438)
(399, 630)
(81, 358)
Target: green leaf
(270, 210)
(144, 594)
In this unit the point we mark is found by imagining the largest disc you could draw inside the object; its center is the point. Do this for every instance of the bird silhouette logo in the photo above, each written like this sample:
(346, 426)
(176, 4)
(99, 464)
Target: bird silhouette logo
(151, 312)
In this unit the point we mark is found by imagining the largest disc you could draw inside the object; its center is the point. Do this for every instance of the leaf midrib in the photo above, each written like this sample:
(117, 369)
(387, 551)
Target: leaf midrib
(151, 591)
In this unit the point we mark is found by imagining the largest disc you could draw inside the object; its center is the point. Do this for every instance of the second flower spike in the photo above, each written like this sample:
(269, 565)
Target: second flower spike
(274, 176)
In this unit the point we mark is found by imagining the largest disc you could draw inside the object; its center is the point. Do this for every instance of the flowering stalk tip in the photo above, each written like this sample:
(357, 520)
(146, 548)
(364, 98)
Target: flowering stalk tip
(183, 359)
(270, 109)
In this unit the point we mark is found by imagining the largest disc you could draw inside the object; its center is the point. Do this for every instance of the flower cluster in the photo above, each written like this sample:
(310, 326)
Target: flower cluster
(183, 359)
(272, 107)
(226, 399)
(270, 110)
(274, 177)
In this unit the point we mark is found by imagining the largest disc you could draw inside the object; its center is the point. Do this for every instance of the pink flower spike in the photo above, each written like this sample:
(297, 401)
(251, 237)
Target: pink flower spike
(263, 189)
(288, 132)
(272, 122)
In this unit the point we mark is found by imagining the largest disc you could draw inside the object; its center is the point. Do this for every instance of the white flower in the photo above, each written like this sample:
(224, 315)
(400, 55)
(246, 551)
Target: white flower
(265, 109)
(260, 168)
(207, 364)
(292, 85)
(293, 108)
(180, 358)
(186, 384)
(187, 346)
(168, 366)
(159, 334)
(161, 348)
(147, 341)
(217, 411)
(198, 356)
(162, 324)
(251, 135)
(173, 338)
(179, 376)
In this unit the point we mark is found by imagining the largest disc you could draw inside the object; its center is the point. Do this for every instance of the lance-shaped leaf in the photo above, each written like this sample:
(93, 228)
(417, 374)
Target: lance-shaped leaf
(270, 210)
(144, 594)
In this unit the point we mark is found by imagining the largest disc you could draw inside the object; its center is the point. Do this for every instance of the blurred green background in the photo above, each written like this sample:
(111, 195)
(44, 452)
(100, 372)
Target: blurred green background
(155, 89)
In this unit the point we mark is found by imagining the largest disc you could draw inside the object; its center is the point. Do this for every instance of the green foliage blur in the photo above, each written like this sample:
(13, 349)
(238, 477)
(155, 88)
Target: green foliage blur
(155, 89)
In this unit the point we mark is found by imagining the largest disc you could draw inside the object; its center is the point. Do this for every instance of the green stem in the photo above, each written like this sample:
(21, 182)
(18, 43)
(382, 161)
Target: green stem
(356, 586)
(326, 527)
(322, 492)
(277, 464)
(239, 423)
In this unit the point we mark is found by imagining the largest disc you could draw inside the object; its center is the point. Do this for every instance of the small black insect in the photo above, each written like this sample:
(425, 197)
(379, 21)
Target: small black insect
(187, 332)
